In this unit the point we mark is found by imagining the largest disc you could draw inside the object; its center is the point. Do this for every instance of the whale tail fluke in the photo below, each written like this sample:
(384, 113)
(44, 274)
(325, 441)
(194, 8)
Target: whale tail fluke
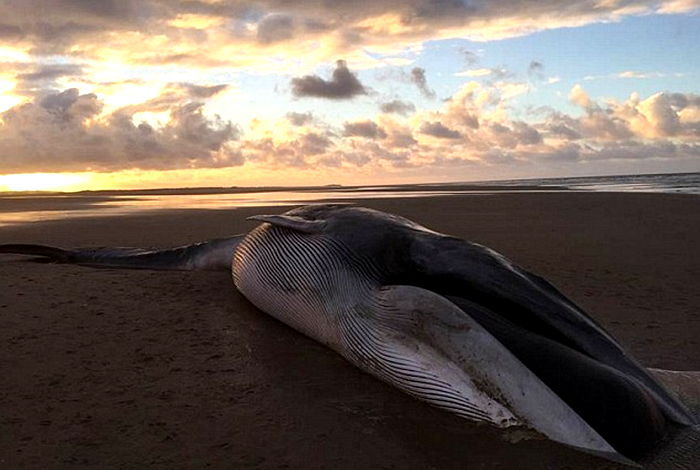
(49, 253)
(212, 255)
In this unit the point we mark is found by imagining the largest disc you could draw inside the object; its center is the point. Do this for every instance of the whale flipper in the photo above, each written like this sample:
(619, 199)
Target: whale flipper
(212, 255)
(291, 222)
(434, 350)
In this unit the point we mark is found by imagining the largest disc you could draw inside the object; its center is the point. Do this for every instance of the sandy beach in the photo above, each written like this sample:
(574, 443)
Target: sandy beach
(114, 369)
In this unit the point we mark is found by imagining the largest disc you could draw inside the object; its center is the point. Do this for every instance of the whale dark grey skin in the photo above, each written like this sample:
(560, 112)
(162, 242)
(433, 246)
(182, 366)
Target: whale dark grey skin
(445, 320)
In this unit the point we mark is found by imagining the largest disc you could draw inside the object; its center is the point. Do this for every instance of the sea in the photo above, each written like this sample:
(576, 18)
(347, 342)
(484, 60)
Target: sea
(688, 183)
(28, 207)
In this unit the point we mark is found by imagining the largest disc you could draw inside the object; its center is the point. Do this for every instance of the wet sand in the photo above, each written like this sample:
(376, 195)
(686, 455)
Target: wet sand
(111, 369)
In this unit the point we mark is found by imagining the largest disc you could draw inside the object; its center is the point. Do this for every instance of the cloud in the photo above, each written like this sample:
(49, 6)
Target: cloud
(300, 151)
(399, 132)
(203, 91)
(661, 115)
(439, 130)
(367, 129)
(299, 119)
(561, 126)
(313, 143)
(470, 58)
(398, 107)
(578, 96)
(240, 33)
(66, 132)
(343, 85)
(476, 127)
(637, 74)
(10, 32)
(474, 73)
(418, 78)
(275, 27)
(51, 72)
(535, 70)
(494, 74)
(71, 105)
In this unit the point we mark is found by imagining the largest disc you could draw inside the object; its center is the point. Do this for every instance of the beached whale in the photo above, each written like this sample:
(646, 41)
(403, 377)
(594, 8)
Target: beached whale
(445, 320)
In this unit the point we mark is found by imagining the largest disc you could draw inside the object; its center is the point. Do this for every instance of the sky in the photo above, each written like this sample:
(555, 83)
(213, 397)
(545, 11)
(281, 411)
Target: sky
(120, 94)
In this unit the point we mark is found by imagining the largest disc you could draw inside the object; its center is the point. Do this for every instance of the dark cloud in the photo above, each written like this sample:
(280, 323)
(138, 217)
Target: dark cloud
(536, 70)
(564, 131)
(418, 78)
(100, 8)
(277, 155)
(570, 152)
(343, 85)
(526, 134)
(402, 139)
(9, 32)
(51, 72)
(500, 73)
(377, 152)
(41, 80)
(535, 67)
(635, 150)
(70, 104)
(367, 129)
(275, 28)
(203, 91)
(313, 143)
(356, 158)
(437, 129)
(515, 134)
(442, 8)
(470, 58)
(599, 124)
(299, 119)
(398, 107)
(53, 27)
(561, 125)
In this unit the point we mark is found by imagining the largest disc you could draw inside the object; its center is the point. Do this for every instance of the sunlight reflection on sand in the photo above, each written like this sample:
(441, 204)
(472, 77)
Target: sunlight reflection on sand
(128, 205)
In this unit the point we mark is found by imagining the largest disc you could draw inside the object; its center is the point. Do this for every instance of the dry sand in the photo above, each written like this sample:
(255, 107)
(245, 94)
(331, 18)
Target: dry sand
(111, 369)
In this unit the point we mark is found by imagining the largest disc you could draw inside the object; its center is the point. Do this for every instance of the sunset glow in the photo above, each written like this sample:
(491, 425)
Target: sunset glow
(43, 182)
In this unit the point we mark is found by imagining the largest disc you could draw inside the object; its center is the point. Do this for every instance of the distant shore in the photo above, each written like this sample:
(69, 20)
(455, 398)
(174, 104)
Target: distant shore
(138, 369)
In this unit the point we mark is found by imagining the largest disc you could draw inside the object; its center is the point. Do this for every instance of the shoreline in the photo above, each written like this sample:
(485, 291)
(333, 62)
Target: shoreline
(124, 369)
(524, 183)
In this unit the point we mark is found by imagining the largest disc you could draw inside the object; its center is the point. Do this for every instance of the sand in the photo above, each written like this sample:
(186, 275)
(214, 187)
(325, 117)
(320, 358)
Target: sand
(112, 369)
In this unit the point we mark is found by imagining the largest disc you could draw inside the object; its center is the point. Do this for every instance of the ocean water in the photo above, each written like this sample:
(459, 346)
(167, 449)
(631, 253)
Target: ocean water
(36, 207)
(688, 183)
